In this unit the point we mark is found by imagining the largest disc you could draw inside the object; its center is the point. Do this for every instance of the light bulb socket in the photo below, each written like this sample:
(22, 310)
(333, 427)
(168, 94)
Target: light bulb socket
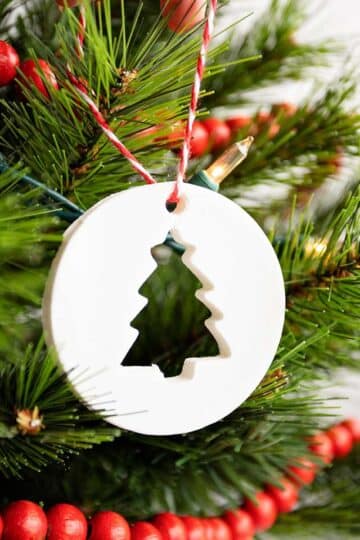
(202, 179)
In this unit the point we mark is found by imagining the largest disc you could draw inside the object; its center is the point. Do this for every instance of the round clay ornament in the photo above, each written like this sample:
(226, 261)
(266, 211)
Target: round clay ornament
(92, 296)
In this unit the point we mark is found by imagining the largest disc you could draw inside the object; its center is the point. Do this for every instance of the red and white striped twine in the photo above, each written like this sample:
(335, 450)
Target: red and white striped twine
(81, 33)
(195, 93)
(82, 91)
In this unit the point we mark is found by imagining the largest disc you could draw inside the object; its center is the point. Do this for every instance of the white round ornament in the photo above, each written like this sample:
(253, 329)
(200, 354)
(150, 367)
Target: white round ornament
(92, 297)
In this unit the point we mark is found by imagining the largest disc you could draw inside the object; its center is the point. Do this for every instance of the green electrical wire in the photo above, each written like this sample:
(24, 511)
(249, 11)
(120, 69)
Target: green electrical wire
(70, 212)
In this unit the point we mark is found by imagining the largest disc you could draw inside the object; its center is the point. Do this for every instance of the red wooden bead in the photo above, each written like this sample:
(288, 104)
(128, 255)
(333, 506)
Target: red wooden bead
(285, 497)
(194, 528)
(183, 15)
(342, 440)
(353, 425)
(286, 108)
(263, 511)
(142, 530)
(9, 61)
(304, 471)
(219, 133)
(32, 73)
(236, 123)
(24, 520)
(274, 129)
(170, 526)
(208, 529)
(221, 529)
(174, 139)
(107, 525)
(199, 140)
(241, 524)
(264, 117)
(321, 445)
(66, 522)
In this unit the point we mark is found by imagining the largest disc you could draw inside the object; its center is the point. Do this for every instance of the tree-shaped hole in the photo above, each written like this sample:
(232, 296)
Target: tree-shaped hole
(171, 325)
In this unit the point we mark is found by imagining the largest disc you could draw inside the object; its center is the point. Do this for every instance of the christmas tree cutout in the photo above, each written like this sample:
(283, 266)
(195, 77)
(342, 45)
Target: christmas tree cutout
(171, 291)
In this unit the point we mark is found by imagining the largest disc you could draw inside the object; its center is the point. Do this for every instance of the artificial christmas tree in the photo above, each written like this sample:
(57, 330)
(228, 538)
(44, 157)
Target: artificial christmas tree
(57, 161)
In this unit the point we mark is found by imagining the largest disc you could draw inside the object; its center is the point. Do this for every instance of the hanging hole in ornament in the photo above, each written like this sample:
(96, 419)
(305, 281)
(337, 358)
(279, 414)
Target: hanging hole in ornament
(176, 204)
(171, 292)
(171, 206)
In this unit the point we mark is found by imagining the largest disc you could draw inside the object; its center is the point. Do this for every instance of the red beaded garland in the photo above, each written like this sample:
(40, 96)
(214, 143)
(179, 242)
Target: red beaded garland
(32, 73)
(263, 511)
(199, 140)
(220, 528)
(208, 529)
(170, 526)
(353, 425)
(175, 138)
(9, 61)
(264, 117)
(285, 497)
(143, 530)
(287, 109)
(241, 524)
(274, 129)
(66, 522)
(108, 525)
(236, 123)
(304, 471)
(24, 520)
(342, 440)
(219, 133)
(183, 15)
(194, 528)
(321, 445)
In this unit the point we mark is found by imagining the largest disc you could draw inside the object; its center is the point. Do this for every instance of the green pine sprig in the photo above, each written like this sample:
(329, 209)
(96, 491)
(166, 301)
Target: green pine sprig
(36, 384)
(281, 56)
(329, 508)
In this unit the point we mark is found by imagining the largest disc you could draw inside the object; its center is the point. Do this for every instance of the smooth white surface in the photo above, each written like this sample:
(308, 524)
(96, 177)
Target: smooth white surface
(92, 297)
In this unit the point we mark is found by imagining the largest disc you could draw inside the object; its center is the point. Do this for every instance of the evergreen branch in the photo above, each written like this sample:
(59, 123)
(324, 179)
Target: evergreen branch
(323, 283)
(69, 210)
(80, 163)
(231, 458)
(301, 153)
(282, 58)
(28, 236)
(139, 73)
(333, 253)
(330, 508)
(25, 22)
(31, 441)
